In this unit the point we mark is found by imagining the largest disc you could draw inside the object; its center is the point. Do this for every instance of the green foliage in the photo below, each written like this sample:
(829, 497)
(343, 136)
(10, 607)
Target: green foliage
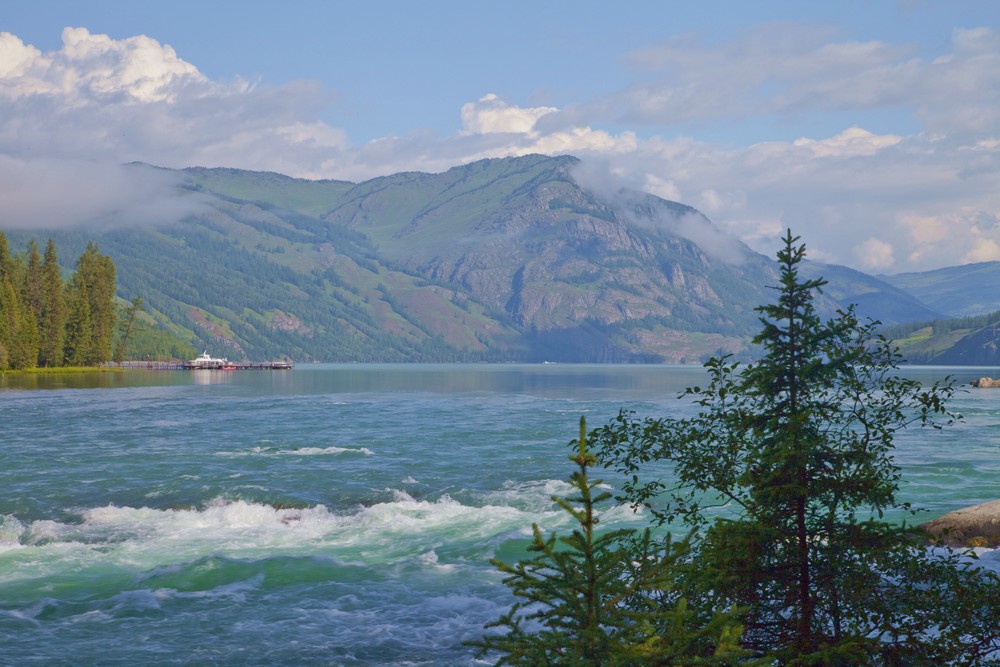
(607, 598)
(797, 448)
(49, 323)
(52, 321)
(93, 315)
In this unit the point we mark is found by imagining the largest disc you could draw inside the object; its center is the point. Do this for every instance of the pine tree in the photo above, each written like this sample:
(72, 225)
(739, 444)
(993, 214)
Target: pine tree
(798, 448)
(6, 261)
(12, 334)
(93, 324)
(79, 338)
(18, 332)
(31, 285)
(590, 599)
(52, 321)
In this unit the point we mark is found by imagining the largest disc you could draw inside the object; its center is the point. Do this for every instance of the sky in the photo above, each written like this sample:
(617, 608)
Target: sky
(871, 129)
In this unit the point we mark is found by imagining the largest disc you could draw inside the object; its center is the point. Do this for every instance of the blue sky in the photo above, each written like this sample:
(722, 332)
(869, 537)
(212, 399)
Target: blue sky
(871, 128)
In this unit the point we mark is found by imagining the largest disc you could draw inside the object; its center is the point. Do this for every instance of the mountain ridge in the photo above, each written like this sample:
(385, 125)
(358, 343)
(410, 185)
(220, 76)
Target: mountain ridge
(506, 259)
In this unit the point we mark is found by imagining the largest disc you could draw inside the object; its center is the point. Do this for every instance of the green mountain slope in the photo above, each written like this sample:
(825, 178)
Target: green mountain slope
(957, 291)
(962, 341)
(873, 297)
(496, 260)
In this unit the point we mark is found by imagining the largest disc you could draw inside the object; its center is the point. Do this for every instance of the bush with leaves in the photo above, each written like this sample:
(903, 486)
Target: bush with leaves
(786, 472)
(608, 598)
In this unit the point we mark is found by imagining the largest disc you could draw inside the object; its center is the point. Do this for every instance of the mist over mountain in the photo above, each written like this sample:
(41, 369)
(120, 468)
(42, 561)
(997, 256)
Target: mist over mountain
(499, 260)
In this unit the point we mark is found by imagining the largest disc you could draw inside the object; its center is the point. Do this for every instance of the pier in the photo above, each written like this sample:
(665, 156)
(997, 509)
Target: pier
(184, 365)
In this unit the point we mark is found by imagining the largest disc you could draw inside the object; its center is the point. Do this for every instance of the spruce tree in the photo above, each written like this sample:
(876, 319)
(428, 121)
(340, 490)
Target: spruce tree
(79, 337)
(604, 599)
(31, 285)
(797, 449)
(6, 261)
(52, 322)
(94, 282)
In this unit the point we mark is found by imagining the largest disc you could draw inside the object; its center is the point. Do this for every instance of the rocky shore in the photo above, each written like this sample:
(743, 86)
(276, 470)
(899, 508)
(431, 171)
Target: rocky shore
(976, 526)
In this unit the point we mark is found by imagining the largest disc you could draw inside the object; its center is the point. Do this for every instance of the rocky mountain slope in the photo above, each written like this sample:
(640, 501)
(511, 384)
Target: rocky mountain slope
(508, 259)
(956, 291)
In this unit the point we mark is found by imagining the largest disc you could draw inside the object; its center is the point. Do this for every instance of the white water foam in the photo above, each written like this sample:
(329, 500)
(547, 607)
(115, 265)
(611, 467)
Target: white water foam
(300, 451)
(145, 538)
(319, 451)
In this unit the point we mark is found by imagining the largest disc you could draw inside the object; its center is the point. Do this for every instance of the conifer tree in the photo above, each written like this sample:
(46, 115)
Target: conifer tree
(18, 332)
(12, 334)
(798, 448)
(591, 599)
(6, 261)
(93, 314)
(52, 321)
(79, 339)
(31, 285)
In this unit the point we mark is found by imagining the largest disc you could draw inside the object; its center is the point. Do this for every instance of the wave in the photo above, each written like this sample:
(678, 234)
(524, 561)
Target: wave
(299, 451)
(142, 538)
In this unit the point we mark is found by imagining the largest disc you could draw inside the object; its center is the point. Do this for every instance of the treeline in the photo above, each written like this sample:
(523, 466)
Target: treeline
(47, 321)
(940, 327)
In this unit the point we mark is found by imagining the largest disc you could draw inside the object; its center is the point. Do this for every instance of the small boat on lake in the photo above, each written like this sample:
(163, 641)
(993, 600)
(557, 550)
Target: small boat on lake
(207, 361)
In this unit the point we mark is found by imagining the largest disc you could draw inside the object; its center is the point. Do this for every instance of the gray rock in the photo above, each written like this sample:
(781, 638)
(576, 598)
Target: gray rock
(977, 526)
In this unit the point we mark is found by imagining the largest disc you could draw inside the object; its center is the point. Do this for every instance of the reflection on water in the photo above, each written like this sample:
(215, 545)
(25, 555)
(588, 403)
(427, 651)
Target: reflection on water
(550, 380)
(211, 376)
(82, 380)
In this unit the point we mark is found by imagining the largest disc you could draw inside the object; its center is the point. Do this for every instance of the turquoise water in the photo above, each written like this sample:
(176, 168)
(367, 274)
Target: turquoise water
(338, 515)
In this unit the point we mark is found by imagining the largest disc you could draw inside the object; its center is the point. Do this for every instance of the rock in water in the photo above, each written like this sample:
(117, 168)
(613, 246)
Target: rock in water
(977, 526)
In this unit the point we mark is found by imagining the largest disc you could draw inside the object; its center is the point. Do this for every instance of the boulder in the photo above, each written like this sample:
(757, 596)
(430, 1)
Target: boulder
(986, 383)
(977, 526)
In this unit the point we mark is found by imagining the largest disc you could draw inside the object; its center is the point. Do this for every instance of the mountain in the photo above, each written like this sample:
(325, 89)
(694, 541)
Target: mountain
(499, 260)
(957, 291)
(967, 341)
(873, 297)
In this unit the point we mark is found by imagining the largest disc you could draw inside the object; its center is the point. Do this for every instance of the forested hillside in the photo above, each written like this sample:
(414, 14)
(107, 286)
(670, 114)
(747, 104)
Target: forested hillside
(45, 321)
(965, 341)
(499, 260)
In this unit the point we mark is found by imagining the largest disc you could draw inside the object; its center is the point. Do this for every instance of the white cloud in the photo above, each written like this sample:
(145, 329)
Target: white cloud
(73, 115)
(15, 56)
(492, 114)
(983, 250)
(852, 141)
(875, 254)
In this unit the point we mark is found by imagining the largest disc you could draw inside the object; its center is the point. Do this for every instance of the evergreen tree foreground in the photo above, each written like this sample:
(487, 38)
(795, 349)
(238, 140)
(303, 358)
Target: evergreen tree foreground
(797, 449)
(784, 478)
(592, 599)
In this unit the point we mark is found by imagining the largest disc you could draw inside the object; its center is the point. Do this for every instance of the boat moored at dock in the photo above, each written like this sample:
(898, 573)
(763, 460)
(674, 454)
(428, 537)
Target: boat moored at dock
(205, 361)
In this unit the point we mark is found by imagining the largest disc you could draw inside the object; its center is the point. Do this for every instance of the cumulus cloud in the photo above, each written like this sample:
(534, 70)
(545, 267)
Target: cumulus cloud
(875, 255)
(491, 114)
(135, 99)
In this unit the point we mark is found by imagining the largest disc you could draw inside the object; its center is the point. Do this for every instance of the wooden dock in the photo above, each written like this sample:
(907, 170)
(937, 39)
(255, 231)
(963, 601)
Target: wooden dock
(183, 365)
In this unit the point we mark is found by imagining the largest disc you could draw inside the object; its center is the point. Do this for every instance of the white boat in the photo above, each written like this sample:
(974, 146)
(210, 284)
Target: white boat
(207, 361)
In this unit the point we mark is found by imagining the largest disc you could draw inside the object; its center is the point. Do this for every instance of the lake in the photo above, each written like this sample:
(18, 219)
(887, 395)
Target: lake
(333, 514)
